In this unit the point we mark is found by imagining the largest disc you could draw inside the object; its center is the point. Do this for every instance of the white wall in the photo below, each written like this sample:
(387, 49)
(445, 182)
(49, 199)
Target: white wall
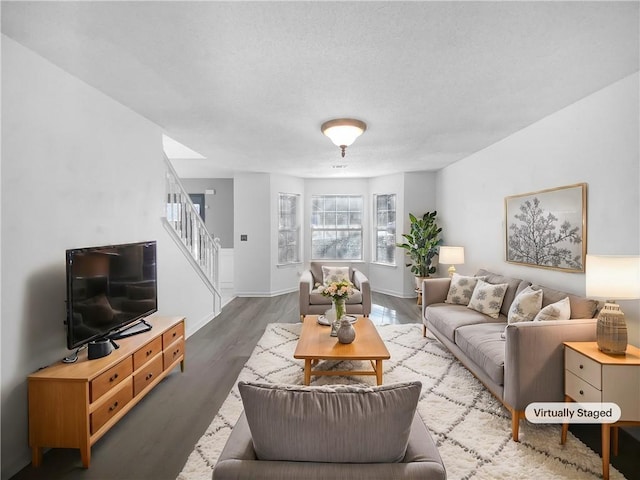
(595, 141)
(252, 217)
(78, 169)
(285, 278)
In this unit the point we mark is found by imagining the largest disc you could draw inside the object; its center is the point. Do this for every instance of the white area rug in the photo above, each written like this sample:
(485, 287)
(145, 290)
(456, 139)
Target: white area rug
(471, 428)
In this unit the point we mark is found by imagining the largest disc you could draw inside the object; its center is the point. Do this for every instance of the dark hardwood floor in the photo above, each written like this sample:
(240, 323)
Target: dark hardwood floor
(153, 441)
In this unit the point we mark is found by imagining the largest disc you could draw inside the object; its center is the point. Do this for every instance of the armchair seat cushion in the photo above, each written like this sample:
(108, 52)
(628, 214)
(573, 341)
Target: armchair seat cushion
(316, 298)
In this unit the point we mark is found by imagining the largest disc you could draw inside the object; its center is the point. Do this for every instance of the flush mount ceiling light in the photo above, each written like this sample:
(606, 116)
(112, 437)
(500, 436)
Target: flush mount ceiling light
(343, 131)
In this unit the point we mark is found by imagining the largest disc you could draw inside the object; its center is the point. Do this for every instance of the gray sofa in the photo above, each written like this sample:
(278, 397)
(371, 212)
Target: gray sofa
(519, 363)
(313, 303)
(337, 432)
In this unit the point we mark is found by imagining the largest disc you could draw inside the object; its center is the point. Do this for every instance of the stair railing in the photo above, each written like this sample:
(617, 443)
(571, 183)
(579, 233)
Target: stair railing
(190, 231)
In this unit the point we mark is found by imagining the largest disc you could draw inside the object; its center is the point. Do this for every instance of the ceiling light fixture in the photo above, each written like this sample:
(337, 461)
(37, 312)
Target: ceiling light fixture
(343, 131)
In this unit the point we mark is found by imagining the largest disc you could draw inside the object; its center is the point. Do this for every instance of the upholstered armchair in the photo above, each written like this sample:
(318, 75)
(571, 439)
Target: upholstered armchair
(313, 303)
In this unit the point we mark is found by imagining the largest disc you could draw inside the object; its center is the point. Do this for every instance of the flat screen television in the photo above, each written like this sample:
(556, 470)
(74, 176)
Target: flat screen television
(108, 289)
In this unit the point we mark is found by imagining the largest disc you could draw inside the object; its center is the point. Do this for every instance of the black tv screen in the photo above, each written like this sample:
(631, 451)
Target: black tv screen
(109, 287)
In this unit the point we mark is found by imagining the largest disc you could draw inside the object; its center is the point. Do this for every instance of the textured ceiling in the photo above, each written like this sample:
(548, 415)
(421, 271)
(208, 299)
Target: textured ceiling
(248, 84)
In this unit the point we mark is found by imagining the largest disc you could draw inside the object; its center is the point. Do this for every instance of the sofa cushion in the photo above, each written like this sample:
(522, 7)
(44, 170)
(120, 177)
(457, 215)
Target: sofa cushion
(460, 289)
(316, 298)
(525, 306)
(316, 271)
(337, 423)
(561, 310)
(446, 318)
(484, 345)
(487, 298)
(515, 286)
(581, 307)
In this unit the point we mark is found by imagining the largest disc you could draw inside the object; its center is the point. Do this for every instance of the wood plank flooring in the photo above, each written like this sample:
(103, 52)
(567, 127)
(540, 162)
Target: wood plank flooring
(155, 438)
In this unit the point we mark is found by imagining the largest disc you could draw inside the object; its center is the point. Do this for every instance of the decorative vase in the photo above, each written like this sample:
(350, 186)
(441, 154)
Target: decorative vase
(346, 332)
(338, 305)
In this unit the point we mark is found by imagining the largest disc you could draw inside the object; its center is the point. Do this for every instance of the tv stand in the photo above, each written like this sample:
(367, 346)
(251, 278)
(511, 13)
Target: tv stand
(131, 330)
(72, 405)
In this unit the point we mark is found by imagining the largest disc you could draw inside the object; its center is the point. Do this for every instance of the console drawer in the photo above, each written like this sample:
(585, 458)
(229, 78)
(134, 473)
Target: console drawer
(109, 379)
(147, 374)
(146, 353)
(583, 367)
(173, 352)
(116, 402)
(172, 334)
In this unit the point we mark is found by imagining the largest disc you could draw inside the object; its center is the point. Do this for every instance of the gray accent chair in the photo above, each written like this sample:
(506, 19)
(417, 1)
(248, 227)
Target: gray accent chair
(331, 432)
(313, 303)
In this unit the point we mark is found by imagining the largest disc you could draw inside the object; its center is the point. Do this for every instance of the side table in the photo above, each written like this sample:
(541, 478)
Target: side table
(593, 376)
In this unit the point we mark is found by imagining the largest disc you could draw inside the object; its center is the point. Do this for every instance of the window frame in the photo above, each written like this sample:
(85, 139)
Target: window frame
(289, 229)
(338, 229)
(375, 228)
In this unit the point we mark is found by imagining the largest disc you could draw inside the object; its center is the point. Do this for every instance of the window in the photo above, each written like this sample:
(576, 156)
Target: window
(385, 229)
(336, 227)
(288, 229)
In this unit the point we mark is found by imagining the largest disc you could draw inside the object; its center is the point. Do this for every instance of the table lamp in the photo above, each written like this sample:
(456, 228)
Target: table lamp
(612, 277)
(452, 256)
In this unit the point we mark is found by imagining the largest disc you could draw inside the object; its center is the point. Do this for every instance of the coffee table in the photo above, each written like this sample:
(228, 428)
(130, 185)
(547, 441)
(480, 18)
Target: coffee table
(316, 344)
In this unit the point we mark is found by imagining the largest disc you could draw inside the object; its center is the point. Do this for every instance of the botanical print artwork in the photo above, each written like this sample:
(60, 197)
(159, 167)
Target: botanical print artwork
(547, 229)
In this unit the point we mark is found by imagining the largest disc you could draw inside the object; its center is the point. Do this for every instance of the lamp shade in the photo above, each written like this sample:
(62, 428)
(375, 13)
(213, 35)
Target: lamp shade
(451, 255)
(343, 131)
(613, 277)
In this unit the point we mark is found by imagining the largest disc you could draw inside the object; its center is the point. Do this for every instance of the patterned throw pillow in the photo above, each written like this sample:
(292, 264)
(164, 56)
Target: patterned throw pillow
(556, 311)
(525, 306)
(487, 298)
(334, 274)
(461, 289)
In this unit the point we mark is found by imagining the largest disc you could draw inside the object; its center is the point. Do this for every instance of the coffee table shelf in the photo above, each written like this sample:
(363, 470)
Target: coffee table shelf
(316, 344)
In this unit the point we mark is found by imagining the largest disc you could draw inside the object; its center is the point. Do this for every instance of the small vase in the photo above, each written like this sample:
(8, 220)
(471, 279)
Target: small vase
(338, 305)
(346, 332)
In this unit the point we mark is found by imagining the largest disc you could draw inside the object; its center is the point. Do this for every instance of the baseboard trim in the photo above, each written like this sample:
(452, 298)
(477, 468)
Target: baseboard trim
(393, 293)
(194, 327)
(266, 294)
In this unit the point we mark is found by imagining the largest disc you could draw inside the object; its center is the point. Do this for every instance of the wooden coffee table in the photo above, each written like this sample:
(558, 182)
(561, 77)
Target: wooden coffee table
(316, 344)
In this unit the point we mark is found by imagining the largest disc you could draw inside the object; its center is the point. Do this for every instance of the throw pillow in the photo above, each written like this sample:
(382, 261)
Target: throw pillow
(487, 298)
(337, 423)
(526, 306)
(334, 274)
(556, 311)
(461, 289)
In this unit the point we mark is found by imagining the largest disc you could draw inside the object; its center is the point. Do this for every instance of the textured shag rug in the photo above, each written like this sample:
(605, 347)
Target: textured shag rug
(471, 428)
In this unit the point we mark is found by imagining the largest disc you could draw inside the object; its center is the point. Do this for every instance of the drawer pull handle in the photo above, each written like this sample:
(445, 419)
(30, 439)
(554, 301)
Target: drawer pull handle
(113, 407)
(149, 352)
(581, 392)
(149, 376)
(177, 352)
(174, 334)
(581, 366)
(113, 377)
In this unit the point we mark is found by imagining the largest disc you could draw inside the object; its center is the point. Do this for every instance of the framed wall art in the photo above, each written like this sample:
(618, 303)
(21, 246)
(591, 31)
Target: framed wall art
(548, 229)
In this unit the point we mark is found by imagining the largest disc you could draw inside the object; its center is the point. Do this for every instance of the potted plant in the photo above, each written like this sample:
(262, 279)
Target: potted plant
(421, 245)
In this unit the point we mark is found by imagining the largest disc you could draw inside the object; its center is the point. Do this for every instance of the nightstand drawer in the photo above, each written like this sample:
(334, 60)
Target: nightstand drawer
(580, 390)
(583, 367)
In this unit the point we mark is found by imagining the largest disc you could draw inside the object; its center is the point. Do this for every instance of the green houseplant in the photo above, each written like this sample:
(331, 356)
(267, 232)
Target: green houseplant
(421, 245)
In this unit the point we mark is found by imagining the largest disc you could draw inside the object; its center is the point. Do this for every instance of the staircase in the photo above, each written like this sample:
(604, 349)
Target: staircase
(187, 228)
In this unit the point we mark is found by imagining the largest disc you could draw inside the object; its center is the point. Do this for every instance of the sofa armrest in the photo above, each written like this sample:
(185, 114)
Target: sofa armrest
(361, 282)
(306, 285)
(434, 290)
(534, 359)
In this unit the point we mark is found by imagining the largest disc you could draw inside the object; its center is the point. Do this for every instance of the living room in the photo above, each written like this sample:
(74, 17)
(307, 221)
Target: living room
(80, 168)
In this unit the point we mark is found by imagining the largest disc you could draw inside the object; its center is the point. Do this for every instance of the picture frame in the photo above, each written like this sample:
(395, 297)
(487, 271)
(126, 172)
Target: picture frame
(547, 228)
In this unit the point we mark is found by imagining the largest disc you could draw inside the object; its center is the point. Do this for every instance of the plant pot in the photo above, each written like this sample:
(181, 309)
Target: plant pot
(419, 281)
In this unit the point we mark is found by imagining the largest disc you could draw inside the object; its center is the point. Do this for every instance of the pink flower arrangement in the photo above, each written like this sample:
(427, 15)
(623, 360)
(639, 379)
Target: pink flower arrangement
(336, 290)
